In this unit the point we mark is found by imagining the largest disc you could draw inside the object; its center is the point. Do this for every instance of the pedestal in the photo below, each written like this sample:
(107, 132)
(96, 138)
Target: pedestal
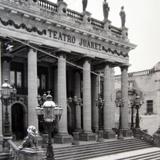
(75, 138)
(127, 132)
(87, 136)
(108, 134)
(62, 138)
(31, 154)
(100, 136)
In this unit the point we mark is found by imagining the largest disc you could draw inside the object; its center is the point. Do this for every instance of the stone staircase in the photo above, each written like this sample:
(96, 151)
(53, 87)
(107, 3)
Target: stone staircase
(4, 156)
(147, 156)
(87, 151)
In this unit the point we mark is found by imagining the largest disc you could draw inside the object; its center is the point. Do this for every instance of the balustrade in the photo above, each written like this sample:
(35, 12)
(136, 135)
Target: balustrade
(53, 7)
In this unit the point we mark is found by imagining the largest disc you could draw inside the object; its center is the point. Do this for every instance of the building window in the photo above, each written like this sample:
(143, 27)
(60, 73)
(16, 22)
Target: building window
(150, 107)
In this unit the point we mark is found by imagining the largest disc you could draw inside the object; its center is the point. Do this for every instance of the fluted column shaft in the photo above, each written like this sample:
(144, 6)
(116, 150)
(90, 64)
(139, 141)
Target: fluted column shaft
(124, 89)
(78, 107)
(86, 96)
(107, 98)
(62, 93)
(32, 88)
(95, 91)
(0, 88)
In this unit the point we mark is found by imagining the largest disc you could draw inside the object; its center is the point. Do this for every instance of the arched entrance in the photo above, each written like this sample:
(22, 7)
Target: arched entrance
(18, 121)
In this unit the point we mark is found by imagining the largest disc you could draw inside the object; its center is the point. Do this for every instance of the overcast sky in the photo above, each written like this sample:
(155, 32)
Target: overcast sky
(143, 22)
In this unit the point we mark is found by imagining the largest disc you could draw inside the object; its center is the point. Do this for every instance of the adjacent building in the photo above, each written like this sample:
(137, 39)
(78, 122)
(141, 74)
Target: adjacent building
(148, 82)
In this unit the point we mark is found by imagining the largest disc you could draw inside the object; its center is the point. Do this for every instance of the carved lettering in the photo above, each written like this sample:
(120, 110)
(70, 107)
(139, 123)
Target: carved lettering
(72, 39)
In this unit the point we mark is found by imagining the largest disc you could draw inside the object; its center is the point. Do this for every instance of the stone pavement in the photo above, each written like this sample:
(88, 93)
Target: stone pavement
(127, 154)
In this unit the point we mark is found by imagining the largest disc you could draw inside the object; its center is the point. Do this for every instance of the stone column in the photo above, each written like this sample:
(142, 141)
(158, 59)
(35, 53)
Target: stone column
(55, 86)
(87, 132)
(32, 88)
(78, 107)
(62, 136)
(124, 108)
(95, 91)
(1, 137)
(108, 107)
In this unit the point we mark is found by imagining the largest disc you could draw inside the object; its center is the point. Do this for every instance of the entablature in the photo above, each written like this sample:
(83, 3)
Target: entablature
(43, 23)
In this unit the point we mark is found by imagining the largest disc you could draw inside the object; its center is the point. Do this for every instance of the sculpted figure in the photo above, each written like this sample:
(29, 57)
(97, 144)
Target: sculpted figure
(84, 3)
(105, 10)
(31, 141)
(123, 17)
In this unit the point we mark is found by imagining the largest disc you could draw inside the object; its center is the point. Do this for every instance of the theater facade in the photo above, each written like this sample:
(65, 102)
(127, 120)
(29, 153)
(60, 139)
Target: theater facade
(46, 46)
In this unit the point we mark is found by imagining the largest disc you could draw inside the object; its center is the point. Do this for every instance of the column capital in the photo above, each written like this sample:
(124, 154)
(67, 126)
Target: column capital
(124, 67)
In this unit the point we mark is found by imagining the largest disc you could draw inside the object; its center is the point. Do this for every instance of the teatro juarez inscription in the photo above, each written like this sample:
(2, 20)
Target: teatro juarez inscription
(57, 35)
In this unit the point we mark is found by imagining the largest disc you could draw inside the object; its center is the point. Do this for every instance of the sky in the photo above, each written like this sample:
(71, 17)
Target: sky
(143, 22)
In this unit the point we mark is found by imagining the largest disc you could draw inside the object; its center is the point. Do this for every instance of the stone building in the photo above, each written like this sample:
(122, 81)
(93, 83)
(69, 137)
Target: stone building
(46, 46)
(147, 81)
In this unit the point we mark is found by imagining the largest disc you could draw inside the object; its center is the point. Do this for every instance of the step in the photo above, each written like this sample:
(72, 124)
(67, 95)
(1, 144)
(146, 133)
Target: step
(92, 155)
(95, 145)
(90, 150)
(4, 156)
(98, 149)
(145, 156)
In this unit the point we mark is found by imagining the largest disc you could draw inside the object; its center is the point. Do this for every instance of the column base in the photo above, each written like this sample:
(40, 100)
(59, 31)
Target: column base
(75, 138)
(127, 132)
(109, 134)
(87, 136)
(1, 143)
(62, 138)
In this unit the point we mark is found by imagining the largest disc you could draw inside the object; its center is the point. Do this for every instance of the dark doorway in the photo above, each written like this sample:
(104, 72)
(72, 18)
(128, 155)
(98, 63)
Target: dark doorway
(18, 125)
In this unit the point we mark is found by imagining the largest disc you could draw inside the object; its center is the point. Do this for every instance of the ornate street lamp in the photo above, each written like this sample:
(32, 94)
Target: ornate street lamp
(51, 112)
(119, 103)
(7, 96)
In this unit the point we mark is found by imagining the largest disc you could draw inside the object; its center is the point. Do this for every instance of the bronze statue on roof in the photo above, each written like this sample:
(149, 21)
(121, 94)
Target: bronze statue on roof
(123, 17)
(105, 10)
(84, 4)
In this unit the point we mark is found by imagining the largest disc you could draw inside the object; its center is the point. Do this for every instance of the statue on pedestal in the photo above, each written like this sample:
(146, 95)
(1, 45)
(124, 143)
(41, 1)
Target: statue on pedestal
(105, 10)
(31, 141)
(123, 17)
(84, 3)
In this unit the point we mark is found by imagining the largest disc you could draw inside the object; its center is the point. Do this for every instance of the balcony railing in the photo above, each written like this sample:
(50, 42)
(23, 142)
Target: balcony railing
(48, 5)
(97, 23)
(74, 14)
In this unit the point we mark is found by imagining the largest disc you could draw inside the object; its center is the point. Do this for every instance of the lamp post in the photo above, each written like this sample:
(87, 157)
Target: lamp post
(51, 112)
(7, 97)
(100, 104)
(132, 99)
(119, 103)
(138, 103)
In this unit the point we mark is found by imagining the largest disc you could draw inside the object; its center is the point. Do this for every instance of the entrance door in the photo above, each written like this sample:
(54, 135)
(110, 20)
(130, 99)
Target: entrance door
(18, 125)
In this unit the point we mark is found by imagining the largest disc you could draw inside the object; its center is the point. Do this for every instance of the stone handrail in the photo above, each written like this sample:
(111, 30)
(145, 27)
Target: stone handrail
(143, 136)
(15, 150)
